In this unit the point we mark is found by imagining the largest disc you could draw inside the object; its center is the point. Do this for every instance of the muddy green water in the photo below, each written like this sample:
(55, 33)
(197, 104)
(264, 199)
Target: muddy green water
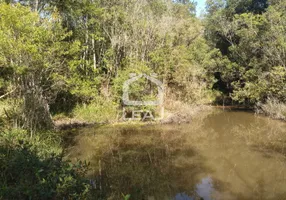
(223, 155)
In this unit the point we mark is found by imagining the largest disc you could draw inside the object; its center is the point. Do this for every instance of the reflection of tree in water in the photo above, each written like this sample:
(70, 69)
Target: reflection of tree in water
(152, 164)
(262, 139)
(164, 162)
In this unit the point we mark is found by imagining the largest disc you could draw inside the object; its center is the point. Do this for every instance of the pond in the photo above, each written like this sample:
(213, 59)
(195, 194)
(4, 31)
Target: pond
(222, 155)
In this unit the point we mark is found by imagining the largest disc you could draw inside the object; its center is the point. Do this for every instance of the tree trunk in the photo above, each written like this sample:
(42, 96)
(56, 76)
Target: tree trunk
(36, 5)
(36, 113)
(94, 53)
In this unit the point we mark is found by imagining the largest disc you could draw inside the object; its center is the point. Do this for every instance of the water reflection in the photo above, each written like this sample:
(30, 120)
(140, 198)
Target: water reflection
(205, 188)
(183, 196)
(224, 155)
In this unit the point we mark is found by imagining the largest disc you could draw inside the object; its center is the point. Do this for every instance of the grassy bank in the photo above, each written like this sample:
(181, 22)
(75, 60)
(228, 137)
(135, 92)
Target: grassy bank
(98, 111)
(110, 113)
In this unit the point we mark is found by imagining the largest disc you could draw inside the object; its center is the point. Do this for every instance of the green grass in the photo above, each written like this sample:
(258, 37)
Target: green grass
(99, 111)
(4, 106)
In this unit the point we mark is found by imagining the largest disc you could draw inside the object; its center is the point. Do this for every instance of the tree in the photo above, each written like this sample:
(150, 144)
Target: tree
(252, 41)
(34, 51)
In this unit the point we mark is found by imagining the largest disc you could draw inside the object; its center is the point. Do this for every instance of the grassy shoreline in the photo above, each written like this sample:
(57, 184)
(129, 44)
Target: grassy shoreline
(175, 115)
(184, 114)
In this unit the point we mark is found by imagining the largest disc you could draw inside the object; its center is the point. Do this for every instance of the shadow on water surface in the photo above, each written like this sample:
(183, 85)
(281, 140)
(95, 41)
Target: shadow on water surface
(153, 164)
(211, 158)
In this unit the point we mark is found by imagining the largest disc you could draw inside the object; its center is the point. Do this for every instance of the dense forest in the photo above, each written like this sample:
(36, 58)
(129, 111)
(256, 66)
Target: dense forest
(64, 59)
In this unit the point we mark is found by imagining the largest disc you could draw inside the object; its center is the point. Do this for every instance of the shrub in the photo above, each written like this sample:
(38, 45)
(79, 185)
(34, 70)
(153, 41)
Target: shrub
(273, 108)
(30, 169)
(100, 110)
(8, 112)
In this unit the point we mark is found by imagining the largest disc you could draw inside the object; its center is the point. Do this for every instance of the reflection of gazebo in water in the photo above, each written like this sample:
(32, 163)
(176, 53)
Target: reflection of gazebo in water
(160, 96)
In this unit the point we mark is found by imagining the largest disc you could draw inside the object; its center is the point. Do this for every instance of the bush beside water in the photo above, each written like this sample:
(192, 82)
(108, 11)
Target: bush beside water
(272, 108)
(33, 168)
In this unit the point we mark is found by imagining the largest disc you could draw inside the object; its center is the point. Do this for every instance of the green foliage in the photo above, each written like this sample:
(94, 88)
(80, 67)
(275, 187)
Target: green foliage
(33, 168)
(271, 84)
(72, 57)
(32, 48)
(100, 110)
(126, 197)
(9, 112)
(79, 53)
(70, 53)
(253, 44)
(44, 143)
(133, 67)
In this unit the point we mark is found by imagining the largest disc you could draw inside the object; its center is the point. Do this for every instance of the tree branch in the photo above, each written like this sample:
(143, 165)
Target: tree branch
(7, 93)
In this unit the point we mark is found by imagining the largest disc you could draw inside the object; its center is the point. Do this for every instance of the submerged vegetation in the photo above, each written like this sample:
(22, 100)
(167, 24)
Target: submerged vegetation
(66, 61)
